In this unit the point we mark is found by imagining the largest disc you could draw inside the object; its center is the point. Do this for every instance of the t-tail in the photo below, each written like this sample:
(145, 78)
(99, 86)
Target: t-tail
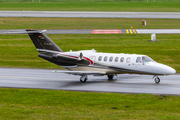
(45, 46)
(41, 41)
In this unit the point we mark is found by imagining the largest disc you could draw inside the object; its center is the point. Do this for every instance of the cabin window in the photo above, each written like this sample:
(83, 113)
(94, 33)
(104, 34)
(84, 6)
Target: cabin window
(138, 60)
(128, 60)
(111, 59)
(105, 58)
(122, 59)
(100, 58)
(116, 59)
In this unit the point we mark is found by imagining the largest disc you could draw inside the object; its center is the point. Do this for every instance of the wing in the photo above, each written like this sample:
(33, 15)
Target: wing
(95, 73)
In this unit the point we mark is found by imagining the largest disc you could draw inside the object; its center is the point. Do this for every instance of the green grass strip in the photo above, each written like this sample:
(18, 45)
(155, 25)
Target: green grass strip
(86, 23)
(138, 6)
(19, 104)
(19, 51)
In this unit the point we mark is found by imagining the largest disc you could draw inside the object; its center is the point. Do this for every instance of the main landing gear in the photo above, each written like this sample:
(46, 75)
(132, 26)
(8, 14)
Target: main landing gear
(156, 79)
(110, 76)
(83, 78)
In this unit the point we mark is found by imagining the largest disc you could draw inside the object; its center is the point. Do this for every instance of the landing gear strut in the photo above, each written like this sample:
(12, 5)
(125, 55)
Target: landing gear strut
(156, 79)
(83, 78)
(110, 76)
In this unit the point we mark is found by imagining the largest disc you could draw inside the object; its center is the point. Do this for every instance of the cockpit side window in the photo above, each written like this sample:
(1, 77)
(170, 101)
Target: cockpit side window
(128, 59)
(138, 60)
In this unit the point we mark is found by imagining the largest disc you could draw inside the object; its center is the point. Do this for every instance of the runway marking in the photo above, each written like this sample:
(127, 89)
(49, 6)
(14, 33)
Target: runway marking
(127, 31)
(130, 31)
(137, 30)
(106, 31)
(134, 31)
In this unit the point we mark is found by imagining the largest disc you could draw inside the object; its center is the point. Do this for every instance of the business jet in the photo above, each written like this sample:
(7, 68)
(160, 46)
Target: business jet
(90, 62)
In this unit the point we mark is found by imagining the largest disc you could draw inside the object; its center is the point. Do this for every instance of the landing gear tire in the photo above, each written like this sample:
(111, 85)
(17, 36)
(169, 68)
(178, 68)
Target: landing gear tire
(83, 78)
(157, 79)
(83, 81)
(110, 77)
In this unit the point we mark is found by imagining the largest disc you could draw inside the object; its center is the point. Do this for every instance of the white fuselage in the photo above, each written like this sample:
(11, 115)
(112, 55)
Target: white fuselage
(109, 63)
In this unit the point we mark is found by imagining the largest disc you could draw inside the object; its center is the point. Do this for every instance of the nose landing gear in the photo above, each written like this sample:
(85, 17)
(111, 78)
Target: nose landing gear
(83, 78)
(156, 79)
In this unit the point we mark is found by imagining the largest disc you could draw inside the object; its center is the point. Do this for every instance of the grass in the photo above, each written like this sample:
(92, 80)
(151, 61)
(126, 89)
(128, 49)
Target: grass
(132, 6)
(86, 23)
(54, 104)
(15, 49)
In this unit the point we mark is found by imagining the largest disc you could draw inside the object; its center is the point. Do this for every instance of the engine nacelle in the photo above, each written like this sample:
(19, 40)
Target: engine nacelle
(70, 56)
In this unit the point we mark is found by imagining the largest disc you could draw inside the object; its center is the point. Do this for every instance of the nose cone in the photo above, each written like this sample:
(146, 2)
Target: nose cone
(171, 70)
(167, 70)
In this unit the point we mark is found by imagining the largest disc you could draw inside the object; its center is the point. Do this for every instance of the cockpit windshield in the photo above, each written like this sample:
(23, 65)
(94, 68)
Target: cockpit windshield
(147, 59)
(144, 59)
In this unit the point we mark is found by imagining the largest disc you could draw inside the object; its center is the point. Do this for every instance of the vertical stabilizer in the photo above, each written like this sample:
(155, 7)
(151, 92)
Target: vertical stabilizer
(42, 41)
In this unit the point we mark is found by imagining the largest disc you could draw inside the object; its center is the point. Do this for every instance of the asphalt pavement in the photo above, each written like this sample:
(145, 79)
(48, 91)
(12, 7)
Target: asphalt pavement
(123, 83)
(100, 31)
(167, 15)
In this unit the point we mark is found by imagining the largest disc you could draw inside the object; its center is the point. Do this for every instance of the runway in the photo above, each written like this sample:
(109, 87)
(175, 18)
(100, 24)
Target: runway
(99, 31)
(167, 15)
(125, 83)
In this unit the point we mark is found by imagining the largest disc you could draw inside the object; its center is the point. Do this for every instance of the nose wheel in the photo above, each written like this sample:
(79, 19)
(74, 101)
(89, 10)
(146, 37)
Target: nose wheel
(156, 79)
(83, 78)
